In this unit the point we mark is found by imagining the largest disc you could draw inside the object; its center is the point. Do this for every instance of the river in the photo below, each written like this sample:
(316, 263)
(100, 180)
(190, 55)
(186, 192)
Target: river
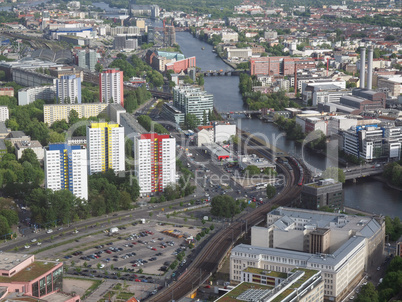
(367, 194)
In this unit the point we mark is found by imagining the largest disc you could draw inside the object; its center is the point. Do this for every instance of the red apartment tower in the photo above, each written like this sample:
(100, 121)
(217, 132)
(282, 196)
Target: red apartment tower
(155, 162)
(111, 86)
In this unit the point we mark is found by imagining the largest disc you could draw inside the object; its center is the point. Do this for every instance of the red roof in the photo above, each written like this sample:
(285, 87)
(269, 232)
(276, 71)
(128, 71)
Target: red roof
(204, 127)
(154, 135)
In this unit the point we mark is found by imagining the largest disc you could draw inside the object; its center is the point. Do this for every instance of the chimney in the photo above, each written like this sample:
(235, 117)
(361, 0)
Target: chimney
(362, 66)
(370, 68)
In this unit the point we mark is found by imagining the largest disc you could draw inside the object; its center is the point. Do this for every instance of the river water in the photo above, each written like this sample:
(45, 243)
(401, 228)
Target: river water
(367, 194)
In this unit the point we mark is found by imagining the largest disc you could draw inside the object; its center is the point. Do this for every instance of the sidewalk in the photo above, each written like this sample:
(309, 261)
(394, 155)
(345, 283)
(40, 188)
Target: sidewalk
(100, 291)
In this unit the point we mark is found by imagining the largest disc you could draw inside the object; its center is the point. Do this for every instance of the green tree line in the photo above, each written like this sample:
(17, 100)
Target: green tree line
(149, 125)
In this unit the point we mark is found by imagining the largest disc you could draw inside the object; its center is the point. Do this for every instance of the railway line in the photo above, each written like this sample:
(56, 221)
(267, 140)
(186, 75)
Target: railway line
(218, 247)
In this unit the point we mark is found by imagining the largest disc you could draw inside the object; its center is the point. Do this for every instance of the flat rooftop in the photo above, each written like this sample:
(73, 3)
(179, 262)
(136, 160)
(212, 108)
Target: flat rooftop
(10, 260)
(31, 272)
(260, 271)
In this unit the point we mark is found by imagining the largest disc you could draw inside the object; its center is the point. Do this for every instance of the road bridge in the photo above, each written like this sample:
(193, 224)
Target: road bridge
(363, 171)
(211, 73)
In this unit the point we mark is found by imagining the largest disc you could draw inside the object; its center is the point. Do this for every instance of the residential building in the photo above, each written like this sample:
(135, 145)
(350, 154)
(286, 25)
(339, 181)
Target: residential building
(58, 112)
(105, 143)
(111, 86)
(302, 285)
(29, 95)
(114, 111)
(4, 113)
(239, 53)
(193, 100)
(342, 246)
(181, 65)
(66, 169)
(204, 135)
(324, 193)
(35, 146)
(154, 162)
(169, 37)
(68, 89)
(9, 91)
(33, 279)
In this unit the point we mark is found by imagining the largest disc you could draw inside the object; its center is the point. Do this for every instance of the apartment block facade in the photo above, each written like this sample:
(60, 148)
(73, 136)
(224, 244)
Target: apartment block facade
(68, 89)
(111, 86)
(58, 112)
(66, 169)
(105, 143)
(155, 162)
(279, 65)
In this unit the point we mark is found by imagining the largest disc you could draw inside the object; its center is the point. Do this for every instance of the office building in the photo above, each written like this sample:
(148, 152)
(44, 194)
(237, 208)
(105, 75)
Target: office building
(302, 285)
(68, 89)
(363, 141)
(111, 86)
(105, 143)
(32, 279)
(193, 100)
(324, 193)
(58, 112)
(87, 59)
(155, 162)
(343, 247)
(66, 169)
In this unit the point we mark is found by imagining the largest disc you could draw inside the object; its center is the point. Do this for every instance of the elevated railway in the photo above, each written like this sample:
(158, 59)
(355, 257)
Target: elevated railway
(219, 246)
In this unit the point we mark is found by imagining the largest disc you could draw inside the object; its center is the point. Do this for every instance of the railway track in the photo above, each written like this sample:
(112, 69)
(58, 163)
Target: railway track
(208, 260)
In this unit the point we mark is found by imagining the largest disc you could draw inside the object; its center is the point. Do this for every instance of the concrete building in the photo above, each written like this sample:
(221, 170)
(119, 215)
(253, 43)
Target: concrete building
(193, 100)
(29, 95)
(279, 65)
(111, 86)
(87, 59)
(259, 162)
(4, 113)
(324, 193)
(391, 84)
(181, 65)
(154, 162)
(35, 146)
(9, 91)
(30, 78)
(363, 141)
(68, 89)
(114, 111)
(105, 143)
(239, 53)
(204, 135)
(268, 286)
(223, 132)
(343, 247)
(66, 169)
(172, 114)
(22, 274)
(58, 112)
(169, 37)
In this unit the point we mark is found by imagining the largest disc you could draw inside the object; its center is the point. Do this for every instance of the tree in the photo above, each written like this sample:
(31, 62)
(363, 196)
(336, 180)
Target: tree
(271, 191)
(334, 173)
(98, 67)
(191, 121)
(252, 170)
(4, 226)
(200, 80)
(226, 206)
(73, 117)
(367, 293)
(10, 215)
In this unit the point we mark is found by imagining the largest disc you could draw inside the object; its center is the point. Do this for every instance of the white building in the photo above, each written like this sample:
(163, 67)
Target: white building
(154, 162)
(343, 247)
(68, 89)
(66, 169)
(29, 95)
(239, 53)
(4, 113)
(111, 86)
(105, 143)
(223, 132)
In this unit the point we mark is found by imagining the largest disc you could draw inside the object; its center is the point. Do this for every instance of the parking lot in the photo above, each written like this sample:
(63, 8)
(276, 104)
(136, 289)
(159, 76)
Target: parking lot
(139, 252)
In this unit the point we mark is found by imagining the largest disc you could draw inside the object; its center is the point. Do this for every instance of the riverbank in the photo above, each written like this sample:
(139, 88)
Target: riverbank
(383, 180)
(353, 211)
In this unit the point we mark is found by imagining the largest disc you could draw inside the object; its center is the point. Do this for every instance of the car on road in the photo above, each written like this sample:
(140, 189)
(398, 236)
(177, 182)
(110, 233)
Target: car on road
(378, 268)
(33, 240)
(27, 246)
(49, 231)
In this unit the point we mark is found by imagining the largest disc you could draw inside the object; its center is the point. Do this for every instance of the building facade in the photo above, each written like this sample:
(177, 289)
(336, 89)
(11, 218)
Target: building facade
(111, 87)
(105, 143)
(324, 193)
(66, 169)
(58, 112)
(29, 95)
(279, 65)
(68, 89)
(4, 113)
(155, 162)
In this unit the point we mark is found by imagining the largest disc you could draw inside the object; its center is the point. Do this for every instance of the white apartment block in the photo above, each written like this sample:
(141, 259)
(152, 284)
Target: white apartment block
(68, 89)
(154, 162)
(4, 113)
(105, 143)
(111, 86)
(66, 169)
(29, 95)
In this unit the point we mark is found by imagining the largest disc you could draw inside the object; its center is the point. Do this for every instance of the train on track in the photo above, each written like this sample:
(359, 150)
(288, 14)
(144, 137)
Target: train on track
(300, 168)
